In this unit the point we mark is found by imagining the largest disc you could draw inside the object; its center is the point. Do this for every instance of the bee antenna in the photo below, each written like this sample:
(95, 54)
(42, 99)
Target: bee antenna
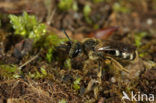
(67, 36)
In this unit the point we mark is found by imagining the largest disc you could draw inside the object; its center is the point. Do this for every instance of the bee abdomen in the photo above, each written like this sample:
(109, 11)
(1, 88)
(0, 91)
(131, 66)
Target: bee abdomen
(118, 53)
(129, 56)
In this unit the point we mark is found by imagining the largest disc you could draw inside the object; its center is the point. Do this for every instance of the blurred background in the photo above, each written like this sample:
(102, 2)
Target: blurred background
(83, 16)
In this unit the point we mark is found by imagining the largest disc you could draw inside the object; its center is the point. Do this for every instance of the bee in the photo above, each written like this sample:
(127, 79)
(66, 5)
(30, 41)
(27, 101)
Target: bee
(100, 50)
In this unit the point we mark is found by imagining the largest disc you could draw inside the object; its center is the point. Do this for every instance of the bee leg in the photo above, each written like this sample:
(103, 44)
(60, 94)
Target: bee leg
(117, 65)
(99, 74)
(90, 85)
(85, 67)
(93, 86)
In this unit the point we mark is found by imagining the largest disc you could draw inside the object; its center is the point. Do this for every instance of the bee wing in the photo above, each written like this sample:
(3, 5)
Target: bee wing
(108, 50)
(104, 48)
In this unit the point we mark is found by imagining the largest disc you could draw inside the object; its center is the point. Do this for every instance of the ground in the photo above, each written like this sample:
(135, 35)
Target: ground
(39, 69)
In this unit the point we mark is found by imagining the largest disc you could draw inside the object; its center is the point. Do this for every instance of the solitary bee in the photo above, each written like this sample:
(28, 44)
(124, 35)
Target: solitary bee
(101, 50)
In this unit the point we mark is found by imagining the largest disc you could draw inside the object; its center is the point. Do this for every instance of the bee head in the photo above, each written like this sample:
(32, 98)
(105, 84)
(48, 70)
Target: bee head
(75, 48)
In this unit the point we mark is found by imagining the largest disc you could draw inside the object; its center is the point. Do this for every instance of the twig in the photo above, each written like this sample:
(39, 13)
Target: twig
(50, 19)
(33, 58)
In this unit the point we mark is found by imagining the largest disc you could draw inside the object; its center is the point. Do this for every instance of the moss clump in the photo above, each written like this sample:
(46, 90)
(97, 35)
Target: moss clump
(139, 37)
(68, 64)
(138, 42)
(37, 74)
(27, 26)
(86, 12)
(62, 101)
(50, 44)
(65, 4)
(9, 71)
(76, 84)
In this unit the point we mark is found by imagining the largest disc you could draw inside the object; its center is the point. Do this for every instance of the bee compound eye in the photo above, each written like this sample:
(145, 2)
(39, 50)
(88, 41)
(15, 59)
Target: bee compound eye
(75, 50)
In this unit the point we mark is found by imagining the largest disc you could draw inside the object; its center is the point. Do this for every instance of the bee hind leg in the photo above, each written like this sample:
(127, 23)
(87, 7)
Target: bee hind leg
(99, 73)
(117, 65)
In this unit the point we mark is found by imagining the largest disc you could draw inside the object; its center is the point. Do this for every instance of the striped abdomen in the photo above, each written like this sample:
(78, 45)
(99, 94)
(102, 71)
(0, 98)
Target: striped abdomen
(117, 49)
(118, 53)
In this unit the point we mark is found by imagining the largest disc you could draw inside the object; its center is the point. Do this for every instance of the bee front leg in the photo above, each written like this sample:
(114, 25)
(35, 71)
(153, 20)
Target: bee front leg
(86, 67)
(93, 85)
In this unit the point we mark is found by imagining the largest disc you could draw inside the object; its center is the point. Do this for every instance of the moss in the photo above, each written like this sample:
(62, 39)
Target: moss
(76, 84)
(75, 6)
(27, 26)
(50, 44)
(67, 64)
(118, 7)
(9, 71)
(63, 101)
(98, 1)
(86, 12)
(65, 4)
(37, 75)
(139, 37)
(138, 43)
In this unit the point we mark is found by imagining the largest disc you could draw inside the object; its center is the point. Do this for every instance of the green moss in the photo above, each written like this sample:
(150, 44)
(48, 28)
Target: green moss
(138, 42)
(9, 71)
(76, 84)
(96, 26)
(98, 1)
(118, 7)
(27, 26)
(37, 74)
(63, 101)
(86, 12)
(49, 54)
(51, 42)
(65, 4)
(139, 37)
(75, 6)
(67, 63)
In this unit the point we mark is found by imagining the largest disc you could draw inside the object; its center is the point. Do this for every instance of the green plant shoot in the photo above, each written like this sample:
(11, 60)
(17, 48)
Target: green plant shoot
(76, 84)
(27, 26)
(65, 4)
